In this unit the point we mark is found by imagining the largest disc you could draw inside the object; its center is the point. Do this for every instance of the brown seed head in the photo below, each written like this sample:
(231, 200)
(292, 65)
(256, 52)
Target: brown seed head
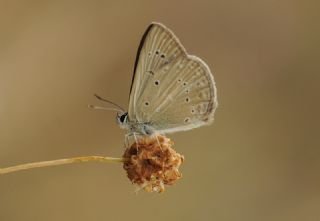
(151, 163)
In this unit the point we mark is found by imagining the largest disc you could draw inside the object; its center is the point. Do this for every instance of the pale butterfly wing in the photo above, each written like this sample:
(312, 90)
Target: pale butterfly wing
(149, 59)
(171, 90)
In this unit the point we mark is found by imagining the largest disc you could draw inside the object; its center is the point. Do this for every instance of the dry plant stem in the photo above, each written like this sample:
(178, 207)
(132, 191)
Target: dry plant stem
(61, 162)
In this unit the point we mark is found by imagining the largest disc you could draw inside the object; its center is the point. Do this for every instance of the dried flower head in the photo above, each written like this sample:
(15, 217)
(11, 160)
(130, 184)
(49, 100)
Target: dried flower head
(151, 163)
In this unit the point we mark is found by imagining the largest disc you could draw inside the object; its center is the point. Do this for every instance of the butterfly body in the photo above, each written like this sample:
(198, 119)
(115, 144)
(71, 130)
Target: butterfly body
(142, 128)
(171, 90)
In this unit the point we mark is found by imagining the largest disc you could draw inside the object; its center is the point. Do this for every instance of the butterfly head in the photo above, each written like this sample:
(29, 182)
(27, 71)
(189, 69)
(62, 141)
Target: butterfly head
(122, 119)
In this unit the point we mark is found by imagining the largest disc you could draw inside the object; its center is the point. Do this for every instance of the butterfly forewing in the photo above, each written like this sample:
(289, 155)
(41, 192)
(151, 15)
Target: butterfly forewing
(157, 48)
(171, 90)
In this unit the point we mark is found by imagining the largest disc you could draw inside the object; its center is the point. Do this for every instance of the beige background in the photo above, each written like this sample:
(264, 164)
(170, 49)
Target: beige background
(258, 161)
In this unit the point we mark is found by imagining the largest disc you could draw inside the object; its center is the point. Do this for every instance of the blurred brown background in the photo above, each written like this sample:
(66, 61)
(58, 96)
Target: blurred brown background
(258, 161)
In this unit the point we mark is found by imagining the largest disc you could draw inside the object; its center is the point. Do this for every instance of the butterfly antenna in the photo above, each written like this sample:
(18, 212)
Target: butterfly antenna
(110, 102)
(104, 108)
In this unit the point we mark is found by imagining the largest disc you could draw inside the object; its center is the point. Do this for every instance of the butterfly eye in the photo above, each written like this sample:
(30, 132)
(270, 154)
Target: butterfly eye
(179, 80)
(184, 83)
(192, 111)
(157, 82)
(157, 52)
(187, 99)
(146, 103)
(163, 56)
(123, 117)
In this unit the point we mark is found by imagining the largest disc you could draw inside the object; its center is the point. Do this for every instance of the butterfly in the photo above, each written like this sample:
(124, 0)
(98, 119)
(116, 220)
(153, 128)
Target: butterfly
(171, 90)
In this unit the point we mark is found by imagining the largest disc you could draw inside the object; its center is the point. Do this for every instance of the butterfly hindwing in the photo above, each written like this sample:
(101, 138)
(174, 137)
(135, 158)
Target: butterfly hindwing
(171, 90)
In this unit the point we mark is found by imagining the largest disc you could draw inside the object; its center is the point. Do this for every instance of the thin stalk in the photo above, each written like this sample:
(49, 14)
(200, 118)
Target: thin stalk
(27, 166)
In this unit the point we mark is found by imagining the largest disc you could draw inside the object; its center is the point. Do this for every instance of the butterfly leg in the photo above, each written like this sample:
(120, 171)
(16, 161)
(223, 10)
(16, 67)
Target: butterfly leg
(136, 140)
(156, 135)
(127, 140)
